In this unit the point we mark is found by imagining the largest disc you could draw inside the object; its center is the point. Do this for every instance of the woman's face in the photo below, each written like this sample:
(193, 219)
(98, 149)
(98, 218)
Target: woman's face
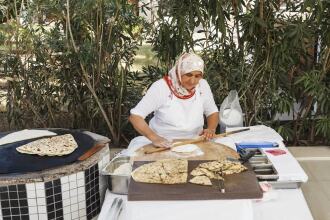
(190, 80)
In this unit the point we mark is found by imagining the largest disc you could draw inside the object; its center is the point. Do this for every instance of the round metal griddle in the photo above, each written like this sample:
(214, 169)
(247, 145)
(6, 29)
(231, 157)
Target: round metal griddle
(11, 161)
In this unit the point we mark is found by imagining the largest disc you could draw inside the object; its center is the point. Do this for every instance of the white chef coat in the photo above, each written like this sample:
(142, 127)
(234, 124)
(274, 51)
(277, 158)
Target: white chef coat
(173, 117)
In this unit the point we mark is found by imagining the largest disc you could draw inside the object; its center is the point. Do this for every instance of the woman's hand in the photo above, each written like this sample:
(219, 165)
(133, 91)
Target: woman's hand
(161, 142)
(208, 133)
(143, 128)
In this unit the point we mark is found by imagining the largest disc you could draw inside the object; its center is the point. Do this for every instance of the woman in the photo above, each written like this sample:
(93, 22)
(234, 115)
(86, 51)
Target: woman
(178, 102)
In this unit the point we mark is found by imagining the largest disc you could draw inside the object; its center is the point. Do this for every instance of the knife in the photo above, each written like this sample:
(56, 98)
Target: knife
(193, 141)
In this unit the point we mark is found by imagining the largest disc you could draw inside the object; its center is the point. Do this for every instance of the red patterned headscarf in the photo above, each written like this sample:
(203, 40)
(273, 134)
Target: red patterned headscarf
(186, 63)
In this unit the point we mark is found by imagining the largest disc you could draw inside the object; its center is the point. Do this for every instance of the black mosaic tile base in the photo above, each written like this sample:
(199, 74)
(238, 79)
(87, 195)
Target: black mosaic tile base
(14, 203)
(54, 200)
(73, 197)
(93, 206)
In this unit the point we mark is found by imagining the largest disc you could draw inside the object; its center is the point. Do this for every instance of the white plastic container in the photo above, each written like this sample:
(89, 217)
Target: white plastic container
(230, 118)
(230, 113)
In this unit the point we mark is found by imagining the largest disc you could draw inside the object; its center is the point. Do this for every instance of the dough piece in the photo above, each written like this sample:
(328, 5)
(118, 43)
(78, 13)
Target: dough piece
(187, 148)
(201, 180)
(53, 146)
(167, 171)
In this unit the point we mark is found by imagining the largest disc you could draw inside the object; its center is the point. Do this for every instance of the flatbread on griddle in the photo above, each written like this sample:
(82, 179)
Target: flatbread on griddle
(53, 146)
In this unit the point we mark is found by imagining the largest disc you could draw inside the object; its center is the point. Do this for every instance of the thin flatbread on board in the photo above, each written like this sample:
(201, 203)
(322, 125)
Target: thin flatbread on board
(53, 146)
(228, 167)
(210, 170)
(205, 172)
(167, 171)
(201, 180)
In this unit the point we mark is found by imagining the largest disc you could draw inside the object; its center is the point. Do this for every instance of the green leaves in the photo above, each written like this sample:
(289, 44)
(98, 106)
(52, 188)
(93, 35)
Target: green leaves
(50, 73)
(178, 20)
(286, 132)
(311, 83)
(323, 127)
(266, 52)
(283, 102)
(273, 56)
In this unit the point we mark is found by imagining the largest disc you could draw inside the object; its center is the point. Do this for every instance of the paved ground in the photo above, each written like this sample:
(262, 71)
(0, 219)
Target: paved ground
(316, 163)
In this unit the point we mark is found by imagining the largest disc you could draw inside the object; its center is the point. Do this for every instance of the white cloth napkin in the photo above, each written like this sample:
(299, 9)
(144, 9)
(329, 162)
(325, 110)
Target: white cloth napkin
(287, 166)
(24, 135)
(256, 133)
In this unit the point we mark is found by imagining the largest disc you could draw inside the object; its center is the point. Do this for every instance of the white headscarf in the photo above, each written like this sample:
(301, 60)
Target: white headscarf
(186, 63)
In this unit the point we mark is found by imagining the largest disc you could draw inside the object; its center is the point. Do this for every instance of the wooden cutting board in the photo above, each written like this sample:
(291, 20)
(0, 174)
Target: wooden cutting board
(238, 186)
(211, 150)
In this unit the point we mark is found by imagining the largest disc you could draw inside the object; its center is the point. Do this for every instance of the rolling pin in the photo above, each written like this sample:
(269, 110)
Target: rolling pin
(193, 141)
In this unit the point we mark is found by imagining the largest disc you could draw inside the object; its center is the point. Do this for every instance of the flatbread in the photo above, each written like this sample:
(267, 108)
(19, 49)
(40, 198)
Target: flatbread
(215, 170)
(205, 172)
(53, 146)
(167, 171)
(187, 148)
(201, 180)
(227, 167)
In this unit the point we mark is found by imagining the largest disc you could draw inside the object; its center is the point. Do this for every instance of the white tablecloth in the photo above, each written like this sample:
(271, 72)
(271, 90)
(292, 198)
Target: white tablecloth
(287, 204)
(180, 210)
(290, 204)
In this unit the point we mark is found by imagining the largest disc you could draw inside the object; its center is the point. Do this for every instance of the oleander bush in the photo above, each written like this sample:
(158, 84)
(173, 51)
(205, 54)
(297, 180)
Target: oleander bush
(69, 63)
(274, 55)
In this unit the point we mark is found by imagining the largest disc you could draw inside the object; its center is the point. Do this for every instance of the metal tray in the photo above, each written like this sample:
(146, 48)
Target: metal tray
(285, 184)
(262, 165)
(117, 183)
(265, 171)
(263, 168)
(259, 160)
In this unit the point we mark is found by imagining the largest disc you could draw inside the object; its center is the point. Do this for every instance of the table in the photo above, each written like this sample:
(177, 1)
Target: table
(284, 204)
(288, 204)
